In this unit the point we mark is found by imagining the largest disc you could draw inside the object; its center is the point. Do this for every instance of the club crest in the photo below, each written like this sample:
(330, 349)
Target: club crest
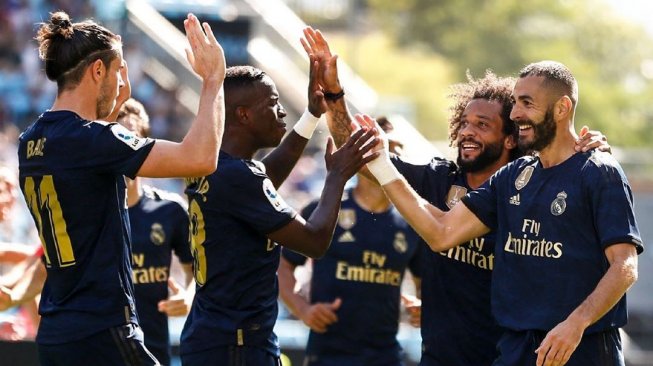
(400, 244)
(559, 204)
(454, 195)
(347, 218)
(524, 177)
(157, 235)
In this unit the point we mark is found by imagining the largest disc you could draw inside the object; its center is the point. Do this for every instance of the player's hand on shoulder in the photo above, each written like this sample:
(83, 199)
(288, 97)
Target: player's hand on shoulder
(320, 315)
(591, 139)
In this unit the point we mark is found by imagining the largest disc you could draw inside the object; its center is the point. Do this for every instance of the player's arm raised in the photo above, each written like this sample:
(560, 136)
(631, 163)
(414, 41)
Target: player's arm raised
(312, 236)
(197, 154)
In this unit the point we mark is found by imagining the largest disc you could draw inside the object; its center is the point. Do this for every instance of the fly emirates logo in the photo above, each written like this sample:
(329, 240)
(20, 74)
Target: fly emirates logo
(530, 245)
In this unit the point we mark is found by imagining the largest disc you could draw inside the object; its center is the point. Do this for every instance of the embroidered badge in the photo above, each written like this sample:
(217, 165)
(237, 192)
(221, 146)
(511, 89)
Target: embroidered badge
(559, 204)
(400, 244)
(347, 218)
(157, 235)
(524, 177)
(454, 195)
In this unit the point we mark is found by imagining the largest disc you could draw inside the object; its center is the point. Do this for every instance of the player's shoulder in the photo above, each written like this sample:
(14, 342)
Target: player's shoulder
(239, 168)
(599, 164)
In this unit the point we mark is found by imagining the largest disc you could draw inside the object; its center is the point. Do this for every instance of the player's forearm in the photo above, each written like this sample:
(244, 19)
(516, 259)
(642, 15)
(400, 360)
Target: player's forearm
(295, 303)
(420, 214)
(280, 162)
(202, 142)
(322, 221)
(621, 275)
(339, 121)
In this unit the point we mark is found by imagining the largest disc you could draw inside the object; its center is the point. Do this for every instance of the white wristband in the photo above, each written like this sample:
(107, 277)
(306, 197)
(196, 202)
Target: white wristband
(306, 125)
(383, 169)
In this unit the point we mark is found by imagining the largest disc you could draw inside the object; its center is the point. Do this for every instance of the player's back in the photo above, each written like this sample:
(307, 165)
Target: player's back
(71, 173)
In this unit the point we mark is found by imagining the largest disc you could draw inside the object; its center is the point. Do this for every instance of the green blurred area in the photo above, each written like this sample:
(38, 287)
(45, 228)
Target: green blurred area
(412, 50)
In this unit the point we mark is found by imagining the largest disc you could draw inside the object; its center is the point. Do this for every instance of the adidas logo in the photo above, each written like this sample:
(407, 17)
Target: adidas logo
(346, 237)
(514, 200)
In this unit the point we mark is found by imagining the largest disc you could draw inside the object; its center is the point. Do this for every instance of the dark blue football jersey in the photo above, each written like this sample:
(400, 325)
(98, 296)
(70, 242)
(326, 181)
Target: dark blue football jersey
(457, 323)
(553, 226)
(235, 264)
(159, 226)
(72, 175)
(364, 266)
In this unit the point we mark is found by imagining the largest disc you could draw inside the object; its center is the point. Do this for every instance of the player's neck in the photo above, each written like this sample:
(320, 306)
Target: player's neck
(134, 191)
(78, 100)
(560, 149)
(370, 197)
(238, 147)
(477, 178)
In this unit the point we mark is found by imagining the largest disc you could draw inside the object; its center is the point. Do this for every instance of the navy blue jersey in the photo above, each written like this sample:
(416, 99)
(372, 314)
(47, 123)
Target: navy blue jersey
(457, 323)
(159, 226)
(364, 266)
(72, 175)
(235, 264)
(553, 226)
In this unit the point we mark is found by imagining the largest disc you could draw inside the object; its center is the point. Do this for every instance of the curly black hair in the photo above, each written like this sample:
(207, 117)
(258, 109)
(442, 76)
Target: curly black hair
(491, 87)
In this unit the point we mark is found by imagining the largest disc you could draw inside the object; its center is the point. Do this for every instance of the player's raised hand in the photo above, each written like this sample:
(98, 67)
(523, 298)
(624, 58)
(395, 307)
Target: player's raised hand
(178, 304)
(205, 56)
(351, 156)
(320, 315)
(316, 103)
(316, 46)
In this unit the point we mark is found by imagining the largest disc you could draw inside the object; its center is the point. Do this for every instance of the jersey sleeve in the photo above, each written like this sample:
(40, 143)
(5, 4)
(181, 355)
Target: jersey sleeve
(483, 201)
(612, 202)
(251, 197)
(293, 257)
(118, 150)
(425, 177)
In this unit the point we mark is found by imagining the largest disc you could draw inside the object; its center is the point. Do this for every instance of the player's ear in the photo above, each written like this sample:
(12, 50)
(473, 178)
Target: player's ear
(243, 115)
(97, 70)
(509, 142)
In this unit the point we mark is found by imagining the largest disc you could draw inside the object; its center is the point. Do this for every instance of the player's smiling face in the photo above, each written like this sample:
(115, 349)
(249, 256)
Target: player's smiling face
(533, 113)
(268, 113)
(481, 137)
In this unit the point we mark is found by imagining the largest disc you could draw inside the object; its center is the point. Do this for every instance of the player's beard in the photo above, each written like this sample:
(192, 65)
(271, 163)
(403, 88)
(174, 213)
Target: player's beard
(105, 103)
(544, 133)
(488, 156)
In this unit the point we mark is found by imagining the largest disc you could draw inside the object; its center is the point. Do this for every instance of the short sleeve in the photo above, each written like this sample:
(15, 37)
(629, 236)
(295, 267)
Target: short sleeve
(612, 203)
(482, 202)
(119, 151)
(251, 197)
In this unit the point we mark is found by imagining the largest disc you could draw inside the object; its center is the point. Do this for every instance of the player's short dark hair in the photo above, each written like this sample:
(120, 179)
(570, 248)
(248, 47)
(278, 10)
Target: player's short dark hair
(557, 77)
(134, 108)
(68, 48)
(491, 88)
(238, 77)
